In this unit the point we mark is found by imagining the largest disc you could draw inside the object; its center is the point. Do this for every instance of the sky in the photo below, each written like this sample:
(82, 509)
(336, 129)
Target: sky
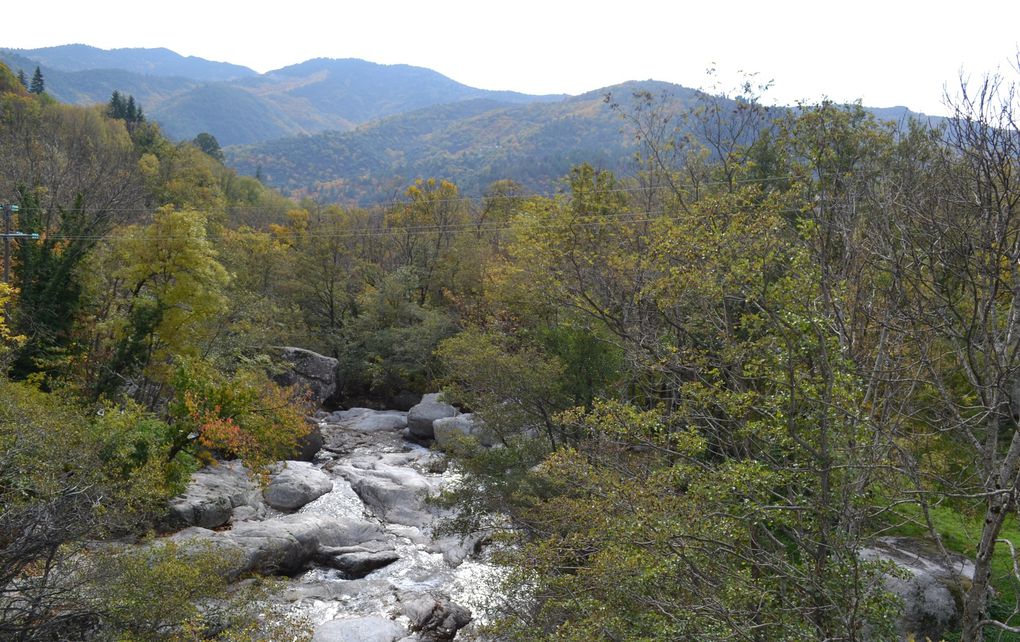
(893, 52)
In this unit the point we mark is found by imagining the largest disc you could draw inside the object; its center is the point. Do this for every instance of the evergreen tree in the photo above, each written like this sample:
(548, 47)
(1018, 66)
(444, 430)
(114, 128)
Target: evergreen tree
(116, 106)
(38, 86)
(22, 79)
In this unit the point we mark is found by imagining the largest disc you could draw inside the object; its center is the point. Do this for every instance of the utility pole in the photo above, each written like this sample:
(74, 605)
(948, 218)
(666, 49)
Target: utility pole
(9, 234)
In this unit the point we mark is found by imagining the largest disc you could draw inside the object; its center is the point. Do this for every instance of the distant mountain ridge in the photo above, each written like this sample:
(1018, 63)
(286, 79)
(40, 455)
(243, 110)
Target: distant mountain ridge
(189, 95)
(151, 62)
(352, 131)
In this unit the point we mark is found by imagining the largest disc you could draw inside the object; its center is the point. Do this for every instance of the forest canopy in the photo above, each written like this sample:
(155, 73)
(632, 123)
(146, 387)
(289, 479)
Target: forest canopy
(712, 380)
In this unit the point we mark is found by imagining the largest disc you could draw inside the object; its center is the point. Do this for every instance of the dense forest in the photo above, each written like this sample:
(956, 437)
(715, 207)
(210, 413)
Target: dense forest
(712, 380)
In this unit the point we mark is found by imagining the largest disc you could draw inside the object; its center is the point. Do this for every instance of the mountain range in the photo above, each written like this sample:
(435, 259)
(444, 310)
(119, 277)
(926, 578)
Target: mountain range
(353, 131)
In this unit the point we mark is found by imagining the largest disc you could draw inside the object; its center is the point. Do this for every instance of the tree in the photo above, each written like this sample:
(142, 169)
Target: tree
(165, 291)
(22, 79)
(208, 144)
(38, 85)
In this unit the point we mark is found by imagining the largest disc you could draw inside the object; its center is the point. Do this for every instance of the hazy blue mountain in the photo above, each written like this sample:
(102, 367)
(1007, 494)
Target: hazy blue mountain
(149, 62)
(314, 96)
(96, 86)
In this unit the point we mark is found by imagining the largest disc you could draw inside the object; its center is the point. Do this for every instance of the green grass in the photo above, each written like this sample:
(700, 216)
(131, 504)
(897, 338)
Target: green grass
(960, 533)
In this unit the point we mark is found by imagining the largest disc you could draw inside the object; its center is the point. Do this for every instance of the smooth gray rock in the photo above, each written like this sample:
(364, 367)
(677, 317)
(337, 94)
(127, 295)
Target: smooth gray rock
(284, 545)
(434, 616)
(387, 485)
(926, 582)
(368, 420)
(361, 629)
(293, 484)
(357, 564)
(421, 416)
(213, 494)
(313, 373)
(449, 429)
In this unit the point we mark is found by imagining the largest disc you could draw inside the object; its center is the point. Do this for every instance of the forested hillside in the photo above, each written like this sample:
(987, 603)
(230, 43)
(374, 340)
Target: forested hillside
(475, 143)
(708, 380)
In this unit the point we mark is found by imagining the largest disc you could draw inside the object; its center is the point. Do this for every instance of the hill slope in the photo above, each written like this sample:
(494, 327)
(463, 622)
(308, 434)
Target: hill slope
(473, 143)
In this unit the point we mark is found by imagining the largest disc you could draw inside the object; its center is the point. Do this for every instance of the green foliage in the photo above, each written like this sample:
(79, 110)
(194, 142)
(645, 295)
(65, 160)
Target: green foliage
(68, 475)
(512, 388)
(242, 414)
(209, 145)
(390, 343)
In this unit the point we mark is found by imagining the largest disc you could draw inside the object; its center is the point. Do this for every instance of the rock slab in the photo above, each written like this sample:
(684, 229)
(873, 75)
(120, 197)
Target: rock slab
(213, 495)
(360, 629)
(926, 582)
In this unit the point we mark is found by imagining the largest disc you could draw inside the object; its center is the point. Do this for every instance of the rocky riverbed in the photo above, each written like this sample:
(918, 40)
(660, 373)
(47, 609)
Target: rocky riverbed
(352, 530)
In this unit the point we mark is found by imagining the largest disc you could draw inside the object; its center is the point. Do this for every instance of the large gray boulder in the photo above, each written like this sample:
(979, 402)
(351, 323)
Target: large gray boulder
(925, 580)
(293, 484)
(421, 417)
(213, 495)
(360, 629)
(393, 490)
(313, 373)
(448, 430)
(284, 545)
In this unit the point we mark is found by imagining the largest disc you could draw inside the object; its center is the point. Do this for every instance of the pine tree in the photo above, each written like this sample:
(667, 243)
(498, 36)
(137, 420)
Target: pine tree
(131, 111)
(38, 85)
(116, 106)
(22, 79)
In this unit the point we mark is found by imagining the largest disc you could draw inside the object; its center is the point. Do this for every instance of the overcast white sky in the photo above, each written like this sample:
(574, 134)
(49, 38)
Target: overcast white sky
(890, 52)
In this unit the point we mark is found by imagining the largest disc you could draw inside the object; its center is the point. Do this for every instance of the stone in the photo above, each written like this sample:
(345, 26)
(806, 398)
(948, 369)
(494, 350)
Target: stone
(283, 545)
(313, 373)
(926, 583)
(394, 491)
(356, 561)
(421, 416)
(434, 616)
(368, 420)
(448, 429)
(360, 629)
(213, 494)
(293, 484)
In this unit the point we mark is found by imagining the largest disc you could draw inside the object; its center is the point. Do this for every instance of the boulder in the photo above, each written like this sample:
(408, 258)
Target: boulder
(312, 372)
(448, 429)
(293, 484)
(213, 494)
(360, 629)
(433, 616)
(925, 580)
(368, 420)
(387, 485)
(357, 561)
(284, 545)
(421, 417)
